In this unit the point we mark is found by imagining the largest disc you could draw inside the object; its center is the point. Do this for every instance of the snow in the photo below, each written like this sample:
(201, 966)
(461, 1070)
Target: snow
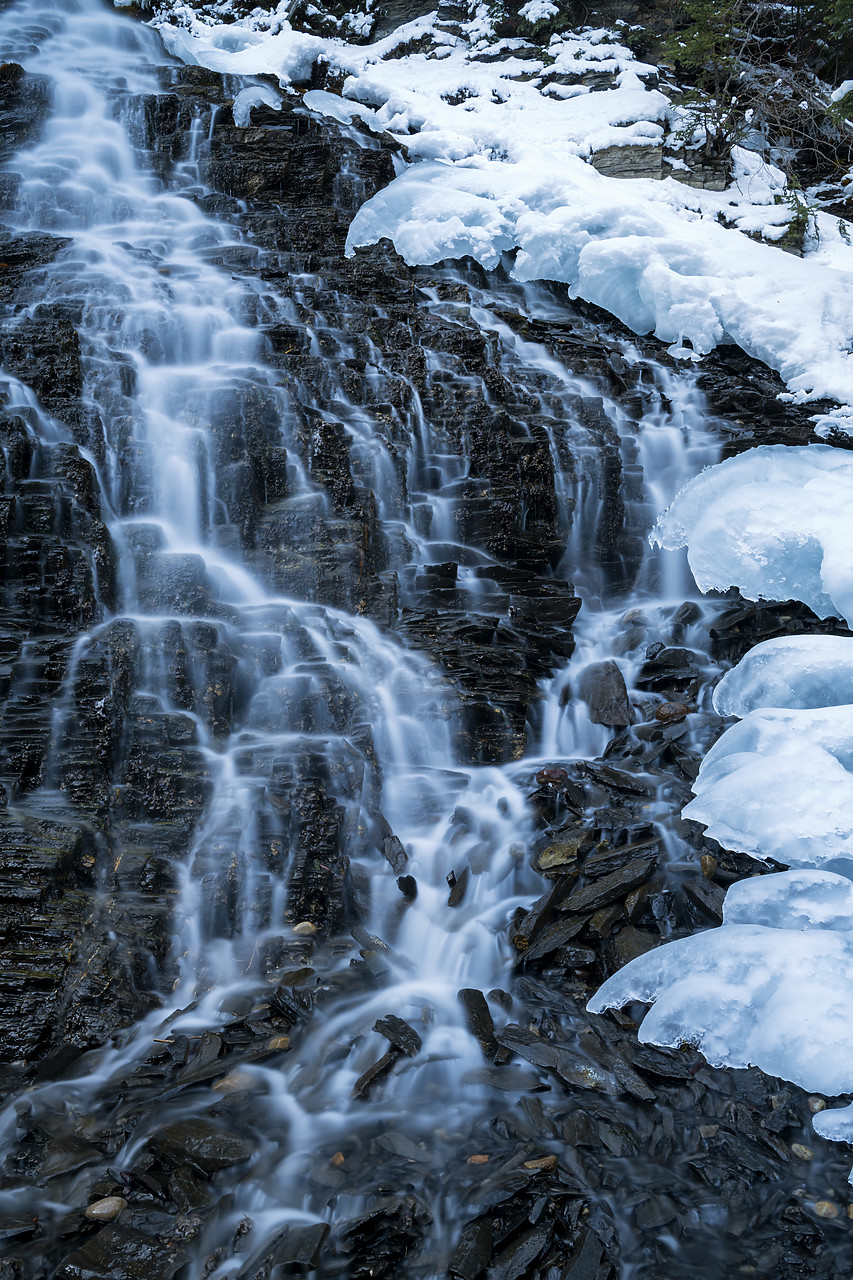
(774, 995)
(775, 522)
(791, 671)
(500, 162)
(254, 96)
(780, 785)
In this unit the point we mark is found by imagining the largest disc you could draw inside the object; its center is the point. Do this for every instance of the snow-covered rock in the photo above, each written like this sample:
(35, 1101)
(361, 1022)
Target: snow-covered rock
(775, 522)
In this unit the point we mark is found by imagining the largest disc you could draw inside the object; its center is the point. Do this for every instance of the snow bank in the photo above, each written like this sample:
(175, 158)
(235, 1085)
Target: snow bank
(772, 987)
(780, 785)
(775, 522)
(790, 671)
(765, 989)
(502, 144)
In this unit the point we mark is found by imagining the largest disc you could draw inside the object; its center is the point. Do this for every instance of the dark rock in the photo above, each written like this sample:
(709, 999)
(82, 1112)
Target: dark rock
(602, 688)
(707, 897)
(296, 1248)
(576, 1070)
(363, 1084)
(609, 888)
(471, 1255)
(201, 1144)
(122, 1253)
(401, 1035)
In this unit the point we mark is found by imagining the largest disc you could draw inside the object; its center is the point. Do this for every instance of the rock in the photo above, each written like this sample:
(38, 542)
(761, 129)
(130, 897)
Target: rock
(801, 1152)
(107, 1209)
(629, 943)
(480, 1023)
(122, 1253)
(575, 1069)
(602, 688)
(401, 1035)
(609, 888)
(458, 886)
(671, 712)
(544, 1164)
(305, 929)
(362, 1086)
(640, 161)
(296, 1248)
(538, 916)
(235, 1082)
(707, 897)
(826, 1209)
(586, 1261)
(471, 1255)
(200, 1144)
(408, 886)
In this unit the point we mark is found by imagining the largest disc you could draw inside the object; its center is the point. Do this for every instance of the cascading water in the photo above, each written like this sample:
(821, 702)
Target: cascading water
(278, 711)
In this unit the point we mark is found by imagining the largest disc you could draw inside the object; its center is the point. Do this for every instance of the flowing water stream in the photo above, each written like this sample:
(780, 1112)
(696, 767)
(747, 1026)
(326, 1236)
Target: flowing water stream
(168, 337)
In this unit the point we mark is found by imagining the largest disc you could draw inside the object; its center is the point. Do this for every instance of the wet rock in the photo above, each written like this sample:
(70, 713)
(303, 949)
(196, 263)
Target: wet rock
(24, 105)
(297, 1248)
(107, 1209)
(480, 1022)
(574, 1069)
(471, 1255)
(707, 897)
(671, 712)
(538, 916)
(629, 943)
(602, 688)
(514, 1261)
(408, 886)
(200, 1144)
(122, 1253)
(609, 888)
(401, 1035)
(586, 1261)
(364, 1083)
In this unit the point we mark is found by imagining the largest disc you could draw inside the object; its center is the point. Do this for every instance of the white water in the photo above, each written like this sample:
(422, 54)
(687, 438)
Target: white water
(153, 295)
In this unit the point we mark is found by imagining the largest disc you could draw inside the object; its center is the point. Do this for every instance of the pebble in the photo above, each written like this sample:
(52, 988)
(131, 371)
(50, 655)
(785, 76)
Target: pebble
(234, 1082)
(826, 1209)
(850, 1211)
(338, 1159)
(106, 1210)
(708, 864)
(816, 1104)
(671, 712)
(305, 929)
(478, 1159)
(279, 1043)
(545, 1163)
(801, 1152)
(709, 1130)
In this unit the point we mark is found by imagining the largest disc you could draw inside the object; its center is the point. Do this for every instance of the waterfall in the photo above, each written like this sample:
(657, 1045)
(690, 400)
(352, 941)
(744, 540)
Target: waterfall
(294, 713)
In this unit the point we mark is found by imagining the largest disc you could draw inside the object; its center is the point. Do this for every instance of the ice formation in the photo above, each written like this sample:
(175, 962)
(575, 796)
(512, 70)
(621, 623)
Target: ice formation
(780, 785)
(796, 672)
(774, 522)
(772, 987)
